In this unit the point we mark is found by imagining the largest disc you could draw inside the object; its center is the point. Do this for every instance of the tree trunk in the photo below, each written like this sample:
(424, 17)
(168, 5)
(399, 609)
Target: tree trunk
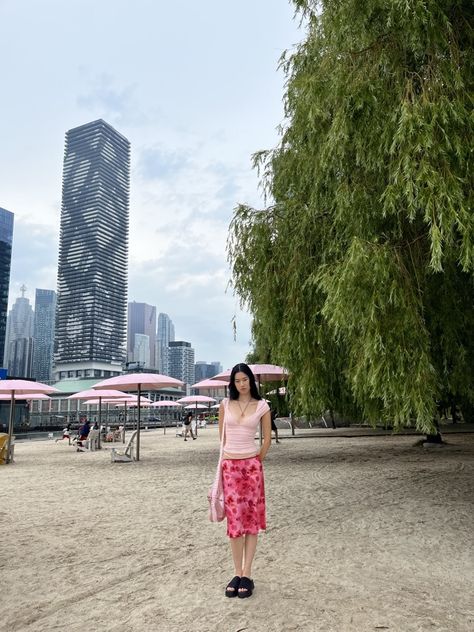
(436, 436)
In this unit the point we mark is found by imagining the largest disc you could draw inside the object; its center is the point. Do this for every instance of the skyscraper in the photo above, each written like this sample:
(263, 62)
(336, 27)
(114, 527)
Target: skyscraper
(43, 335)
(93, 253)
(19, 337)
(141, 350)
(203, 370)
(6, 238)
(181, 361)
(165, 335)
(141, 320)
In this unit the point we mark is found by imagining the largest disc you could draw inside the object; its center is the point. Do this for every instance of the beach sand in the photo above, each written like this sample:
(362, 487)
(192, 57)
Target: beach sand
(364, 533)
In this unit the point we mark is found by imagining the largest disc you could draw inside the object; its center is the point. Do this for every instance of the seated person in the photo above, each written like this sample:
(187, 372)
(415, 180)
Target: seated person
(84, 430)
(93, 438)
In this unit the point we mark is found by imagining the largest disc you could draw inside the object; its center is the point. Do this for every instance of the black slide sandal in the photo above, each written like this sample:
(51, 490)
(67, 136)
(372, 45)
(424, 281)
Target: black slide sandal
(248, 586)
(234, 583)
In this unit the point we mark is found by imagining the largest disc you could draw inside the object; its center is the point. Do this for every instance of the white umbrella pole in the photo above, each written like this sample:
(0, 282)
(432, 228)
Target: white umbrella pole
(138, 424)
(10, 426)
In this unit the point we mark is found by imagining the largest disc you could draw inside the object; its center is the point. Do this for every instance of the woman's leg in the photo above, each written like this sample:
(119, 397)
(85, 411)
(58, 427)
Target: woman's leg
(237, 547)
(250, 546)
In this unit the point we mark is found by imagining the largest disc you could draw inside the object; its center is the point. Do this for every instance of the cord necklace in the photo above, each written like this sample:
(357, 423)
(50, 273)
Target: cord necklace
(242, 410)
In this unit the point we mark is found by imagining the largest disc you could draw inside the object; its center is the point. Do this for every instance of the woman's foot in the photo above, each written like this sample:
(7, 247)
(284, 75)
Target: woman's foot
(232, 587)
(246, 587)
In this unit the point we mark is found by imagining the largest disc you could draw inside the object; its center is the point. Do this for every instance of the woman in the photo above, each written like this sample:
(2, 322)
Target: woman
(242, 473)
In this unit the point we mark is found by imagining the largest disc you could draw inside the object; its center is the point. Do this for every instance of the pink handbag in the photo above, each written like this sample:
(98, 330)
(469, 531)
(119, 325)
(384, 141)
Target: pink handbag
(215, 495)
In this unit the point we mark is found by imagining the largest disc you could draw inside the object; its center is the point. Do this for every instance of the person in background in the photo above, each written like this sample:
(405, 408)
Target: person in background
(66, 434)
(188, 426)
(84, 430)
(274, 427)
(242, 473)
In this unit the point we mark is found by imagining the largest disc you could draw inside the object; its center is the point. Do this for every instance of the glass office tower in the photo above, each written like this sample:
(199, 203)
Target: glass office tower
(181, 361)
(141, 321)
(6, 239)
(165, 335)
(43, 334)
(93, 253)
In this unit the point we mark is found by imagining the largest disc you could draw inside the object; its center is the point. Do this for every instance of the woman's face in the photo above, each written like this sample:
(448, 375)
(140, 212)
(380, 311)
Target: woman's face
(242, 383)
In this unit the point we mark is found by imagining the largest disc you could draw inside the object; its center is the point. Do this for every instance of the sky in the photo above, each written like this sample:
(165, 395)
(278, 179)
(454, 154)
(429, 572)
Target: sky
(196, 89)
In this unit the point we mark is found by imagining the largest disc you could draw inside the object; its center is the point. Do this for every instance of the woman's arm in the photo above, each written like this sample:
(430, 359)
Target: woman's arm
(267, 435)
(221, 419)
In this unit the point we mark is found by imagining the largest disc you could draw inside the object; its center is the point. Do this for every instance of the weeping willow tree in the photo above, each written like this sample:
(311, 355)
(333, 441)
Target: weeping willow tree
(359, 273)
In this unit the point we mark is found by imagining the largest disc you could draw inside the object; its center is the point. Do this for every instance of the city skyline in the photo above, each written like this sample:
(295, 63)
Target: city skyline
(195, 98)
(48, 295)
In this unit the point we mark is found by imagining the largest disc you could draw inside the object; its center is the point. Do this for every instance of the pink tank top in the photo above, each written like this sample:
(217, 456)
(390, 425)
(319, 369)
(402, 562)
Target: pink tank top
(240, 431)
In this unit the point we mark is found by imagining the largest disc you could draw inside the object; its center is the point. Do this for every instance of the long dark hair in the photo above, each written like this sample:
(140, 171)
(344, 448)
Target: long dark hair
(243, 368)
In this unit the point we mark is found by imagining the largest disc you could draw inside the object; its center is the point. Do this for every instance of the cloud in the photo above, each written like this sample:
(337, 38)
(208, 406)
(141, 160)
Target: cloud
(116, 104)
(155, 163)
(34, 258)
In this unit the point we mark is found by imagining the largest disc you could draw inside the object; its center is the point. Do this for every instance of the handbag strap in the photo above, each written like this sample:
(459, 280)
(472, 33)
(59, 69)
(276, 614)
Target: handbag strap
(223, 437)
(222, 440)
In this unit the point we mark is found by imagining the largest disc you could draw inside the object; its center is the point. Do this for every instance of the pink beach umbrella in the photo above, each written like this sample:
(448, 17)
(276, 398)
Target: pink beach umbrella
(223, 376)
(136, 382)
(196, 399)
(28, 397)
(20, 387)
(263, 373)
(269, 372)
(212, 384)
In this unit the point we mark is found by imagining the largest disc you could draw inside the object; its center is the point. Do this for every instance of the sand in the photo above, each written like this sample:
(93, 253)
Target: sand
(364, 533)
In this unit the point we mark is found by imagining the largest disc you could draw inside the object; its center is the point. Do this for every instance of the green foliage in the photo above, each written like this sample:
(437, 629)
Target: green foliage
(359, 276)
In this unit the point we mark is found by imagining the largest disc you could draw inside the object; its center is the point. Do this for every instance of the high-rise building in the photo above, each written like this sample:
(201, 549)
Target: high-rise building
(6, 238)
(43, 335)
(93, 253)
(204, 370)
(141, 350)
(19, 337)
(20, 357)
(181, 361)
(164, 335)
(141, 321)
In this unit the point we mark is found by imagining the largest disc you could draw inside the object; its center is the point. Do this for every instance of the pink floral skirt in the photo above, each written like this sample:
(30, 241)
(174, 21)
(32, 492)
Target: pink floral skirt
(244, 496)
